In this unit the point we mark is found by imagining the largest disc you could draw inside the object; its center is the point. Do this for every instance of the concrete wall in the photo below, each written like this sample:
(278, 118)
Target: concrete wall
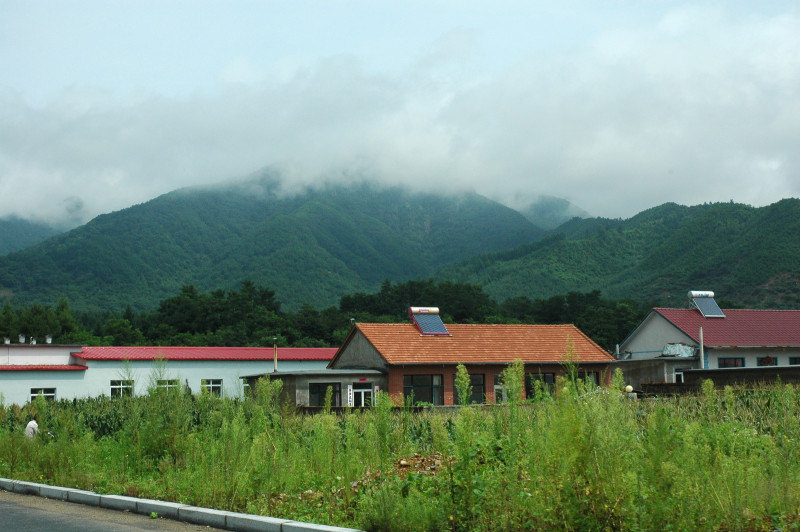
(359, 353)
(722, 377)
(643, 371)
(296, 386)
(653, 334)
(39, 354)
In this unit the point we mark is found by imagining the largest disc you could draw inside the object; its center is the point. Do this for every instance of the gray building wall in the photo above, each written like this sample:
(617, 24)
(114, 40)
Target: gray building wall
(296, 387)
(359, 353)
(644, 371)
(651, 336)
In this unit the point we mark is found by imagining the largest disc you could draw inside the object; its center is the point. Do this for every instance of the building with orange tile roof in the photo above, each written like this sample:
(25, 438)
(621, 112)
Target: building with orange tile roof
(422, 366)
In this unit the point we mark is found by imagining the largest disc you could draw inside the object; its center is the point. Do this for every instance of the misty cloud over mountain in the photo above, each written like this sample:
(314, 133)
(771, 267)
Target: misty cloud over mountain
(700, 107)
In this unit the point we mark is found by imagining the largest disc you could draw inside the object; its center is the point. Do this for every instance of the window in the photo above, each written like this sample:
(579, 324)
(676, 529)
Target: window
(500, 395)
(121, 388)
(548, 380)
(424, 389)
(167, 383)
(478, 389)
(47, 393)
(794, 361)
(212, 386)
(730, 362)
(679, 375)
(362, 394)
(766, 361)
(317, 391)
(590, 376)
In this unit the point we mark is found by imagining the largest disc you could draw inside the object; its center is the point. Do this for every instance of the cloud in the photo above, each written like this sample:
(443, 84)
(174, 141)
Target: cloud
(698, 107)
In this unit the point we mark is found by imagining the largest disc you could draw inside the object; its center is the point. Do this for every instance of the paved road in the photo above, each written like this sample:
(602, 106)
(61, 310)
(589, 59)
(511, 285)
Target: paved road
(29, 513)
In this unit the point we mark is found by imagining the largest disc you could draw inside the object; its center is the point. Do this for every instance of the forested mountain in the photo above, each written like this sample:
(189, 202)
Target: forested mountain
(548, 212)
(311, 247)
(749, 256)
(16, 233)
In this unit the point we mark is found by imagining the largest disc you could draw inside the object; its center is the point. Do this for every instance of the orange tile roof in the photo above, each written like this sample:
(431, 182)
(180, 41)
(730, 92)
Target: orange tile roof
(402, 343)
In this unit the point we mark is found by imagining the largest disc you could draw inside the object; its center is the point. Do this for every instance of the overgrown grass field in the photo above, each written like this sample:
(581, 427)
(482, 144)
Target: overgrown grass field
(582, 458)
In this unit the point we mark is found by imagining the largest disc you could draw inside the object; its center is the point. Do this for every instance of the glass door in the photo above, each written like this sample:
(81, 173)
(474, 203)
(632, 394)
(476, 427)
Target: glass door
(362, 394)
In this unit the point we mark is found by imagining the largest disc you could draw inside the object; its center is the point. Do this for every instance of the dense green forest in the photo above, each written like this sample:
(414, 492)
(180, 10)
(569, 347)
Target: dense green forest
(252, 316)
(315, 246)
(746, 255)
(16, 233)
(310, 247)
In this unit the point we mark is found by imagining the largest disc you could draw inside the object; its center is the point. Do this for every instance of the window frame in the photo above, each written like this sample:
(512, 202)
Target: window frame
(548, 380)
(765, 359)
(321, 390)
(49, 394)
(478, 389)
(212, 386)
(121, 387)
(436, 390)
(168, 384)
(592, 376)
(729, 359)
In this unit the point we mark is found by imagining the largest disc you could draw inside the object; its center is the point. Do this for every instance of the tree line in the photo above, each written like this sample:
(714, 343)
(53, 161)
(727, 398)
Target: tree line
(251, 316)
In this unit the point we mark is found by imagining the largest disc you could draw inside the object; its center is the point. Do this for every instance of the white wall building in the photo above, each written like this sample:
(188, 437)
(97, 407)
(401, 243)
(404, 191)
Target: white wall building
(688, 339)
(69, 371)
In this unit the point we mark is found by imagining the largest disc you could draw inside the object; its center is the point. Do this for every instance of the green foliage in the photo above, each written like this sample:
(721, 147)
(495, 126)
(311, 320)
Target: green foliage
(310, 247)
(585, 460)
(252, 316)
(463, 384)
(743, 253)
(17, 234)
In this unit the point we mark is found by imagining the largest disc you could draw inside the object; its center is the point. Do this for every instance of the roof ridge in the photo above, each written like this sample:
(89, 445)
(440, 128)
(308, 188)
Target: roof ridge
(733, 309)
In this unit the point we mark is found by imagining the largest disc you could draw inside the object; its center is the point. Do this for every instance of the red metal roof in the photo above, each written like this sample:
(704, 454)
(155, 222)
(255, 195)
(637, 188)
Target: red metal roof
(33, 367)
(203, 353)
(739, 327)
(402, 343)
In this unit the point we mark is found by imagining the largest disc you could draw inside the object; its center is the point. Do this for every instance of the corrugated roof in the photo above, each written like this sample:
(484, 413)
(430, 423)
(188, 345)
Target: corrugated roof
(739, 327)
(203, 353)
(402, 343)
(43, 367)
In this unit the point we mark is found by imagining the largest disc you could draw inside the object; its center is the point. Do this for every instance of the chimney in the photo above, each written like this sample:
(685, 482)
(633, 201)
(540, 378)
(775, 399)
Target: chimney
(275, 348)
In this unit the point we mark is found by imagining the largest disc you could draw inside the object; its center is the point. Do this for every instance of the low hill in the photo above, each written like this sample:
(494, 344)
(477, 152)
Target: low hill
(746, 255)
(311, 247)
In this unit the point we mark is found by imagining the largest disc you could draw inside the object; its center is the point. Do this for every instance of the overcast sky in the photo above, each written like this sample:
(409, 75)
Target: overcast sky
(616, 106)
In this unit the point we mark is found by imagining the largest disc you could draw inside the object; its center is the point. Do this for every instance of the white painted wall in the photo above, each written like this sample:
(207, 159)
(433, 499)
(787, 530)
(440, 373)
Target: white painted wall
(751, 355)
(26, 354)
(15, 386)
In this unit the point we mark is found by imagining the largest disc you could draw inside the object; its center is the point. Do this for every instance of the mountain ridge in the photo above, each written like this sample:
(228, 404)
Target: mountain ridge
(743, 253)
(311, 247)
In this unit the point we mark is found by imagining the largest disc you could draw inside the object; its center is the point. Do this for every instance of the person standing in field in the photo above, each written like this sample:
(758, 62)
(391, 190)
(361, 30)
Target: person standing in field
(32, 428)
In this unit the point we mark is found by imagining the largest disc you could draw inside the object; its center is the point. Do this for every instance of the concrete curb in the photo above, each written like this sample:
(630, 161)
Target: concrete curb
(170, 510)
